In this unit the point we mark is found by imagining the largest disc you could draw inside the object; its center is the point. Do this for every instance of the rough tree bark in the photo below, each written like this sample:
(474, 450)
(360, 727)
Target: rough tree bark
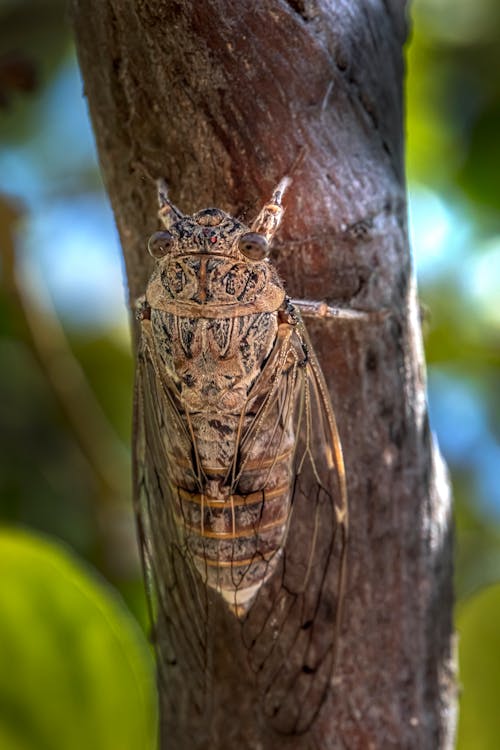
(223, 98)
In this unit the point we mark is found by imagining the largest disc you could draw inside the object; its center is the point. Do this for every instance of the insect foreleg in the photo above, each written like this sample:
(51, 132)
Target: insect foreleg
(142, 309)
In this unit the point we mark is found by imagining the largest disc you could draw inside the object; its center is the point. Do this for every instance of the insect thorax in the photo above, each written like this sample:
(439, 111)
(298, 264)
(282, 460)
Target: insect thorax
(213, 312)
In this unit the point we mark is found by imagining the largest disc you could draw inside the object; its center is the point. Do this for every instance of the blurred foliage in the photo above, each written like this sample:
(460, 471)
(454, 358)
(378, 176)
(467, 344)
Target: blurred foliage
(453, 107)
(66, 375)
(35, 35)
(82, 676)
(85, 680)
(477, 623)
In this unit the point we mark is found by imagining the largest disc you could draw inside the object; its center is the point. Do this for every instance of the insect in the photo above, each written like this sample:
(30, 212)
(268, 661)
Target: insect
(240, 486)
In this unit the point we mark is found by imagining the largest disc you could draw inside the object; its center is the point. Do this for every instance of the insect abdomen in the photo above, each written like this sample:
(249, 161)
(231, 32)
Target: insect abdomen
(235, 538)
(232, 477)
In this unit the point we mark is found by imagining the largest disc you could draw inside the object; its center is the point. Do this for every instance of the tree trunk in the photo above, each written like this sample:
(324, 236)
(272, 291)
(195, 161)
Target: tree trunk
(224, 99)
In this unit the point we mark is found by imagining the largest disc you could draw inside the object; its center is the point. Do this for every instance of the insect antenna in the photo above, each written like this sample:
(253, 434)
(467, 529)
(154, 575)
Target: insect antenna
(168, 213)
(268, 220)
(283, 185)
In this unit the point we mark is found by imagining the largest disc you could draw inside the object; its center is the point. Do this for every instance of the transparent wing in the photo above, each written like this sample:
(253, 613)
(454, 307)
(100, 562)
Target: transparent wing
(292, 631)
(176, 594)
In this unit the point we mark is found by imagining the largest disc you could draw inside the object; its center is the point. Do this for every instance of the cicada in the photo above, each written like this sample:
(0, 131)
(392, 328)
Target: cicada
(240, 486)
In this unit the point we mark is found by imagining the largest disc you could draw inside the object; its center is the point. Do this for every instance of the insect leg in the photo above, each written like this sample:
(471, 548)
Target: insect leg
(314, 309)
(142, 309)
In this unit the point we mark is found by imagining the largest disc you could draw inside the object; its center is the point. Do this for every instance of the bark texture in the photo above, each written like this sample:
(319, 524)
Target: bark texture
(223, 99)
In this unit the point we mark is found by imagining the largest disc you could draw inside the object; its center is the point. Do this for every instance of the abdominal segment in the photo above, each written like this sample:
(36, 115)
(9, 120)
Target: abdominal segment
(234, 530)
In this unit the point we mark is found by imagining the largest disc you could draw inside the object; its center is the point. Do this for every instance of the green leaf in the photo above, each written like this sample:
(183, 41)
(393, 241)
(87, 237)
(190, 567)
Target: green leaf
(478, 624)
(75, 670)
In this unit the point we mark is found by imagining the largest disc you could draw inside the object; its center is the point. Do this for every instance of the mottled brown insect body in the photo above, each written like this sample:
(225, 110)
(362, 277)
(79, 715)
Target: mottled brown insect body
(213, 323)
(239, 479)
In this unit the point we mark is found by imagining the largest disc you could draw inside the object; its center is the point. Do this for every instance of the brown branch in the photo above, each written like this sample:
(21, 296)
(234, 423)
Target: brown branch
(221, 98)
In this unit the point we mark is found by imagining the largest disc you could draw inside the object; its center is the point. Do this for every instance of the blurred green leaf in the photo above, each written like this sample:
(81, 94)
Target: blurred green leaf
(477, 553)
(477, 176)
(453, 98)
(434, 143)
(75, 671)
(478, 625)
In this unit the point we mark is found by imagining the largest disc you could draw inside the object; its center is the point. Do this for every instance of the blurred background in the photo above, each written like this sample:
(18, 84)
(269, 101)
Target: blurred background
(71, 600)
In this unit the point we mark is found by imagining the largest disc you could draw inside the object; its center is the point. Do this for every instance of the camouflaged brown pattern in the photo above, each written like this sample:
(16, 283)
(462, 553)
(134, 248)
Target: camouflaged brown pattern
(213, 324)
(240, 488)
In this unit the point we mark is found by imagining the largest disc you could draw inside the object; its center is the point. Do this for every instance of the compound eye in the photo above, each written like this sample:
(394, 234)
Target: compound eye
(254, 246)
(160, 243)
